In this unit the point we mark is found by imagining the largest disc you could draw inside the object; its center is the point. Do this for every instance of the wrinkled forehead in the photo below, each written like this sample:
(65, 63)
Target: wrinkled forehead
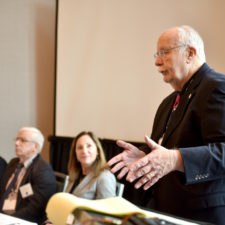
(168, 39)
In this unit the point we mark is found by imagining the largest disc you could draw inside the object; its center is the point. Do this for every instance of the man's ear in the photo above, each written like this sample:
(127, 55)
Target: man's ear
(191, 53)
(36, 147)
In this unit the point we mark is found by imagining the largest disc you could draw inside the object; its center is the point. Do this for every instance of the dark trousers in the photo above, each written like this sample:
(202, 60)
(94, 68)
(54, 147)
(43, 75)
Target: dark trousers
(214, 215)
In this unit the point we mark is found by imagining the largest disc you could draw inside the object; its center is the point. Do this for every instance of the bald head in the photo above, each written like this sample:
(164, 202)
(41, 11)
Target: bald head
(186, 35)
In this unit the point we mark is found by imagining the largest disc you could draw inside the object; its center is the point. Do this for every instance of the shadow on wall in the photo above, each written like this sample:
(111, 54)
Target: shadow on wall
(45, 19)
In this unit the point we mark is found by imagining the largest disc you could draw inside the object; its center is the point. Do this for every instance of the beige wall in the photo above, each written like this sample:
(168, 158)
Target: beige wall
(27, 40)
(27, 48)
(106, 78)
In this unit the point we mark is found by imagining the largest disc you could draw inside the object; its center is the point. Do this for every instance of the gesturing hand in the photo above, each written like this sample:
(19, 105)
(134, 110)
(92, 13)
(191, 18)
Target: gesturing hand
(159, 162)
(125, 159)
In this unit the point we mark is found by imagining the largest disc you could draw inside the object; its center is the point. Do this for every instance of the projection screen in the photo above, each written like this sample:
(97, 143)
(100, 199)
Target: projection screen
(106, 80)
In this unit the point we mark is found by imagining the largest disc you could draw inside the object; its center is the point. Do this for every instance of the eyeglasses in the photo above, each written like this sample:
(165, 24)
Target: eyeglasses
(163, 52)
(23, 140)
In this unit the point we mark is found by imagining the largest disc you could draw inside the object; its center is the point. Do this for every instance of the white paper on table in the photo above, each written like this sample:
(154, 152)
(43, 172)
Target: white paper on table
(9, 220)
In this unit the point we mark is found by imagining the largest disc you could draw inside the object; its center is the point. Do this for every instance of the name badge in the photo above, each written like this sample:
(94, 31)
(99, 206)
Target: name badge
(160, 140)
(26, 190)
(9, 204)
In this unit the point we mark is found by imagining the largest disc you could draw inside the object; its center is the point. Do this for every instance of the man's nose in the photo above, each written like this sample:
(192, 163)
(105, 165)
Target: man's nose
(17, 142)
(158, 61)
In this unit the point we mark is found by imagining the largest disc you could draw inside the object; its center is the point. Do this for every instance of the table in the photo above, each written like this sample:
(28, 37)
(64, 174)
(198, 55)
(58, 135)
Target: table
(10, 220)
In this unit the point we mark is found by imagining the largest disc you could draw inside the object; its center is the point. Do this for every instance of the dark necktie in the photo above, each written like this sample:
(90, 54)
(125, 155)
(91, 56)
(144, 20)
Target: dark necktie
(12, 184)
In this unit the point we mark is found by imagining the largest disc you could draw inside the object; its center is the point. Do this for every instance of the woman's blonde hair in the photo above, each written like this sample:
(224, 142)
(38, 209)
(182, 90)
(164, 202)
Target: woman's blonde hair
(74, 166)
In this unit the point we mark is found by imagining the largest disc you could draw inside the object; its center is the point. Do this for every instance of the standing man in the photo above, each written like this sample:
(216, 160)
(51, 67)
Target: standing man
(28, 181)
(185, 163)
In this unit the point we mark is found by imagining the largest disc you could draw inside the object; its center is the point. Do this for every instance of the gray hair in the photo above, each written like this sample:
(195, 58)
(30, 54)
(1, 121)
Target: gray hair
(37, 136)
(190, 37)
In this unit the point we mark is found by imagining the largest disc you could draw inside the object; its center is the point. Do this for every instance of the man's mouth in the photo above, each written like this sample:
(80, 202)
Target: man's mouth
(163, 72)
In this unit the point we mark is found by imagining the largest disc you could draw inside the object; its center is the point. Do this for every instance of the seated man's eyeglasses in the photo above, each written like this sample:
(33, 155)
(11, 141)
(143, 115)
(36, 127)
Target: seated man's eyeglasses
(23, 140)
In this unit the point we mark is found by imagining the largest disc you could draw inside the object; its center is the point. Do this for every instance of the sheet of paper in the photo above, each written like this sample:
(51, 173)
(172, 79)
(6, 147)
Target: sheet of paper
(9, 220)
(62, 204)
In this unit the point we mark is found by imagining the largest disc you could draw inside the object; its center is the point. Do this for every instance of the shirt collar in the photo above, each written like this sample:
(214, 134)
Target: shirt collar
(28, 162)
(188, 84)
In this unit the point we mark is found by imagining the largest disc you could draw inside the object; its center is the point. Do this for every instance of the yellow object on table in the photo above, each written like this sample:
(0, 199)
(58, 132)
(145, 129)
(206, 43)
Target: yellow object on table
(62, 204)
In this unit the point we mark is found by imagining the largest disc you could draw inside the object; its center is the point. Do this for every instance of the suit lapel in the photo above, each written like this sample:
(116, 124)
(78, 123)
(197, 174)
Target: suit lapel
(178, 115)
(84, 185)
(26, 178)
(161, 118)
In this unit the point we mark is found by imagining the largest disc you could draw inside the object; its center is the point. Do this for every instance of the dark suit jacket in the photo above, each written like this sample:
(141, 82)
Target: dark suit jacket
(41, 177)
(197, 128)
(3, 165)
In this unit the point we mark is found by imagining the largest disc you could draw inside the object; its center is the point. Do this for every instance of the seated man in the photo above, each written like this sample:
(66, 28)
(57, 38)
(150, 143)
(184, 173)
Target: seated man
(28, 181)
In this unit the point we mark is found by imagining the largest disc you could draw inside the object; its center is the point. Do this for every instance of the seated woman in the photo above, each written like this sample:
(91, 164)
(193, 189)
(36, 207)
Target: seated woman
(90, 178)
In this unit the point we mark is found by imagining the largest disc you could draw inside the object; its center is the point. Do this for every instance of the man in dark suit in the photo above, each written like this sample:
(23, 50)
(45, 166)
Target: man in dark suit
(3, 165)
(26, 196)
(185, 162)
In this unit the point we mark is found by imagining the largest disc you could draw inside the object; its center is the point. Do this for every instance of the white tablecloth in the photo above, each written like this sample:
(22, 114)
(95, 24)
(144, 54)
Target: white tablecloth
(10, 220)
